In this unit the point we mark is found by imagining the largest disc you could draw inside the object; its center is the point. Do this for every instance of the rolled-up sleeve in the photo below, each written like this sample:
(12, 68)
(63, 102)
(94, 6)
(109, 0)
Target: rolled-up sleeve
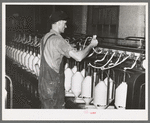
(63, 46)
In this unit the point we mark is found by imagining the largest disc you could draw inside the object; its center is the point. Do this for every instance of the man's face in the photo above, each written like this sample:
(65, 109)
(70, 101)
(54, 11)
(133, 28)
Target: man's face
(62, 26)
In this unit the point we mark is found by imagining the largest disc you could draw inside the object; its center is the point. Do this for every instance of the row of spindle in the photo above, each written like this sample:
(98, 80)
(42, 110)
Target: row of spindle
(88, 84)
(23, 61)
(24, 53)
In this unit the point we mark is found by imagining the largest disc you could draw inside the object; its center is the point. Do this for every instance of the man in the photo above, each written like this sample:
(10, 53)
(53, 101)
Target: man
(53, 49)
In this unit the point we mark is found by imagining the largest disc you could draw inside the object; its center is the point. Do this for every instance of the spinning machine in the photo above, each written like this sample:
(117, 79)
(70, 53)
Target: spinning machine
(111, 76)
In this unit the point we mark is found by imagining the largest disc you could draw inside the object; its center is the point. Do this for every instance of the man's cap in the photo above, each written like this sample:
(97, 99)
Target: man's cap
(57, 16)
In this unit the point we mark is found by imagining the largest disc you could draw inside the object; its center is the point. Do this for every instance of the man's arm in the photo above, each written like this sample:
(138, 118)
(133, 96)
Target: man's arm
(79, 55)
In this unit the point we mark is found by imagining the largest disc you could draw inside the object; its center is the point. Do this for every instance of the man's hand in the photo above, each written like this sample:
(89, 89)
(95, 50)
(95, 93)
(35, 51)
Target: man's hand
(94, 41)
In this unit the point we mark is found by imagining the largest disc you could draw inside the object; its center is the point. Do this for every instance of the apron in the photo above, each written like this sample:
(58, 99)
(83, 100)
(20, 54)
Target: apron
(51, 84)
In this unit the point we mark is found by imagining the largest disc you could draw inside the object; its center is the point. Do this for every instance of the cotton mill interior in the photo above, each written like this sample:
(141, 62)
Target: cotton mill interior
(110, 76)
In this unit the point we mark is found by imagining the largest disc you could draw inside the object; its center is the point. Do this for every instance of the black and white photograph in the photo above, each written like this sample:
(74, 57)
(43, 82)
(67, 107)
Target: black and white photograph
(75, 61)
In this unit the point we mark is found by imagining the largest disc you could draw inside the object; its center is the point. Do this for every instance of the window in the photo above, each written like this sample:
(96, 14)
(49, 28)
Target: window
(103, 21)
